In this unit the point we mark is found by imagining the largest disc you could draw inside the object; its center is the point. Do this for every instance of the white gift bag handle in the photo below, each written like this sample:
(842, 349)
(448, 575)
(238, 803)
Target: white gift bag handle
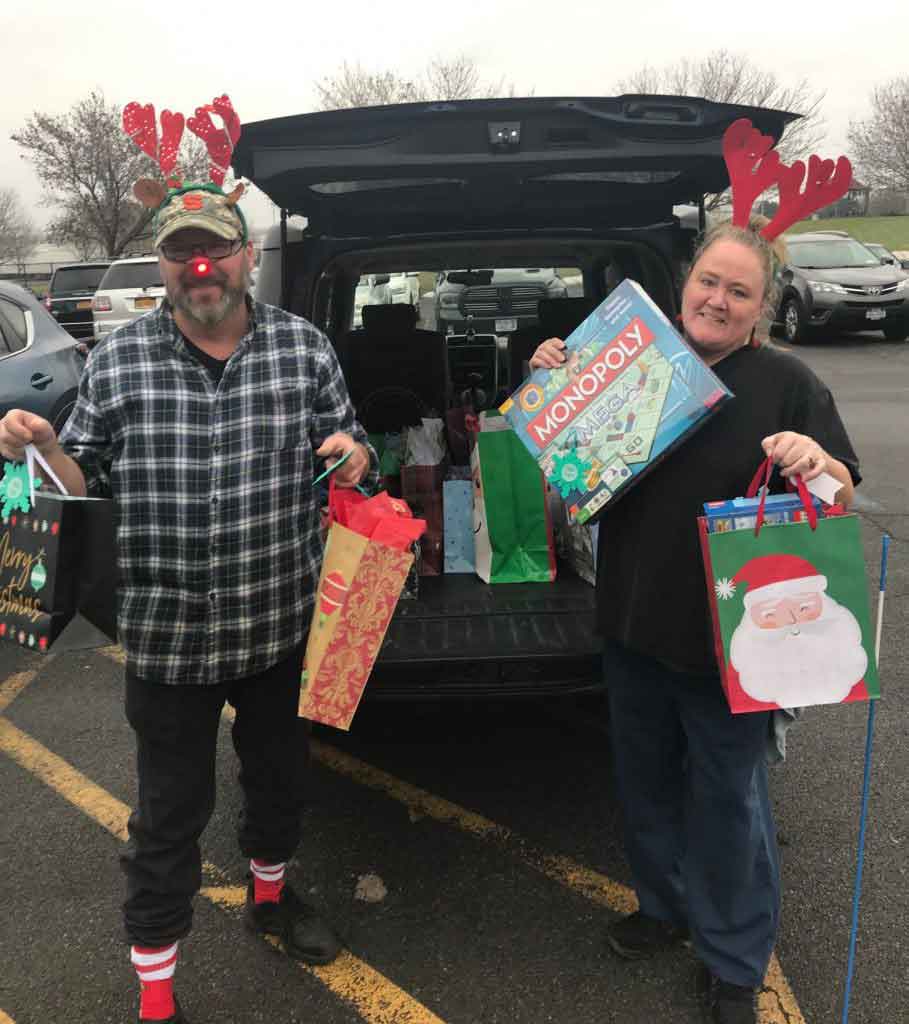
(32, 455)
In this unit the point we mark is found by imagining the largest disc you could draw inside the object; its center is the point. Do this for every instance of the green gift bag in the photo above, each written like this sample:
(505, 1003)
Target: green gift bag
(512, 530)
(791, 617)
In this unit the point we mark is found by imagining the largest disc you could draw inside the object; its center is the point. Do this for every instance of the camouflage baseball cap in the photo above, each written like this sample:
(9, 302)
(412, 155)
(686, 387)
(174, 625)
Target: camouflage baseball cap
(200, 206)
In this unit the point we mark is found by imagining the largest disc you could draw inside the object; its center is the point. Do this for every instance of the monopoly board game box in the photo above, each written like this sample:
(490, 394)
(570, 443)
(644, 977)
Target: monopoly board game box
(630, 389)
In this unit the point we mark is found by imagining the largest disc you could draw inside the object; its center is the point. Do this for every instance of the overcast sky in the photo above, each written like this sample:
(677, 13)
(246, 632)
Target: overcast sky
(267, 55)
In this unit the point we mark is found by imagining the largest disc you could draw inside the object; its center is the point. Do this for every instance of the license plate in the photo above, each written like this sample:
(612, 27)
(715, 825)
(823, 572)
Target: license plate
(84, 304)
(504, 326)
(875, 314)
(145, 303)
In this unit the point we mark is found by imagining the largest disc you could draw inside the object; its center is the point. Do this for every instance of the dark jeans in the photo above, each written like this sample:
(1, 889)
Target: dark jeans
(176, 731)
(699, 831)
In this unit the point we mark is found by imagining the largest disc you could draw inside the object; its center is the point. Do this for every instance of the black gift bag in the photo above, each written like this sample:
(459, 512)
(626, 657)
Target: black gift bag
(58, 566)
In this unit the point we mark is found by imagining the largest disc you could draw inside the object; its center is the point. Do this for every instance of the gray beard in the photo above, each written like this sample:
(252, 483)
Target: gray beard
(210, 314)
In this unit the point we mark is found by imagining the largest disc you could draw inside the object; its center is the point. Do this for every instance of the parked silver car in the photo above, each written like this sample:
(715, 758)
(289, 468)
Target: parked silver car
(130, 288)
(40, 363)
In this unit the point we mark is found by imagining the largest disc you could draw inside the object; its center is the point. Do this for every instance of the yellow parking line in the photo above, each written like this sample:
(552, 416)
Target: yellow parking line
(376, 998)
(10, 689)
(373, 995)
(70, 783)
(591, 884)
(777, 1002)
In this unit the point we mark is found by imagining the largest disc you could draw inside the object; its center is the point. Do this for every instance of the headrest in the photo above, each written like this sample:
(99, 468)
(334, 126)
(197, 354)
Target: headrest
(391, 319)
(559, 317)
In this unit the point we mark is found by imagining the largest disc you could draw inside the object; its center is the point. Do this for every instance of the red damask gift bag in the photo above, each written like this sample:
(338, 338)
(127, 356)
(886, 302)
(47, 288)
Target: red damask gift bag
(367, 558)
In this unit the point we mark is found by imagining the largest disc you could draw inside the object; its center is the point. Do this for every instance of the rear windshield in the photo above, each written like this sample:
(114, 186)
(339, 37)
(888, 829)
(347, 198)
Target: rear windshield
(133, 275)
(78, 279)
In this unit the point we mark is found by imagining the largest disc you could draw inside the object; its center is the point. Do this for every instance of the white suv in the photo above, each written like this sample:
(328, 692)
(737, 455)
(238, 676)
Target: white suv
(129, 289)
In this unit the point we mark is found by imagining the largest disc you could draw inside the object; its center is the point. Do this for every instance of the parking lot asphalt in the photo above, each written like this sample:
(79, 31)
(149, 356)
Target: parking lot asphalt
(469, 854)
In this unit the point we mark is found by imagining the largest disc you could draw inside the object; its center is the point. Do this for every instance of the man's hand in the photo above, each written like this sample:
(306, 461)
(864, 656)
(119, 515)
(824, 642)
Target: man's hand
(550, 354)
(355, 468)
(19, 428)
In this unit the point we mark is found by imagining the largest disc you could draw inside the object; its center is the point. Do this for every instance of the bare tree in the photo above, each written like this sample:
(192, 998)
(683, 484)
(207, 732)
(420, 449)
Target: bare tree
(457, 78)
(18, 234)
(71, 228)
(354, 86)
(87, 166)
(727, 77)
(880, 144)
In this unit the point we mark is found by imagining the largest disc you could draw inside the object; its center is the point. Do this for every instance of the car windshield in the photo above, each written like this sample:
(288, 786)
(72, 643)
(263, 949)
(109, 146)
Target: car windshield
(133, 275)
(830, 254)
(77, 279)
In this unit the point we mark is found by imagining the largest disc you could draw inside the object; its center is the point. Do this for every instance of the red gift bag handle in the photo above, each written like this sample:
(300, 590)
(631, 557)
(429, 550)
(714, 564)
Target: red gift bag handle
(764, 470)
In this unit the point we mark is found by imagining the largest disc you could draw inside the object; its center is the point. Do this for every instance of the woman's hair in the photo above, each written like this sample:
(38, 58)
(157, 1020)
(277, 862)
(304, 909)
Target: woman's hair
(771, 254)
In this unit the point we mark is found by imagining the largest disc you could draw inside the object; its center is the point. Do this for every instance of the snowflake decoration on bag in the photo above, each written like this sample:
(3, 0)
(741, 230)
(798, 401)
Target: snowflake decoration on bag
(14, 489)
(724, 589)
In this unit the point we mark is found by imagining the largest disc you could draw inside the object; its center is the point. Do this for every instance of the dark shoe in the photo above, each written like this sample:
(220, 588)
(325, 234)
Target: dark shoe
(175, 1018)
(304, 934)
(725, 1003)
(638, 936)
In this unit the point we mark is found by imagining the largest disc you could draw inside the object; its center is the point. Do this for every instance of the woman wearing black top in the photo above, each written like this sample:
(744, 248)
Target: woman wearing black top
(692, 777)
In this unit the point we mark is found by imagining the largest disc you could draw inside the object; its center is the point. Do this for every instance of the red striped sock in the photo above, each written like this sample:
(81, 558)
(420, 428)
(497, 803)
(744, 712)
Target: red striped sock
(155, 967)
(268, 881)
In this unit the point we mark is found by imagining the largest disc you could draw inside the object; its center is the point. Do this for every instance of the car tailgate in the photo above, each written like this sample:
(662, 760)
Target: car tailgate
(462, 637)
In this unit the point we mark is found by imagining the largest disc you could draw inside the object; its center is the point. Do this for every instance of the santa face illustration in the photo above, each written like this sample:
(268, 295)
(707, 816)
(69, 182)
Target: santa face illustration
(796, 645)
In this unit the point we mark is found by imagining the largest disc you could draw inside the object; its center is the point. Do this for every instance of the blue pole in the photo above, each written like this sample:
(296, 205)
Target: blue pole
(863, 817)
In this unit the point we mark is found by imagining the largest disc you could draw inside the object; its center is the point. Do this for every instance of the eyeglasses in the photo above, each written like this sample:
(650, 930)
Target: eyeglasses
(216, 250)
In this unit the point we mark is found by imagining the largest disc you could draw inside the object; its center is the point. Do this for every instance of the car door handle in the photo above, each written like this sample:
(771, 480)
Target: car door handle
(41, 380)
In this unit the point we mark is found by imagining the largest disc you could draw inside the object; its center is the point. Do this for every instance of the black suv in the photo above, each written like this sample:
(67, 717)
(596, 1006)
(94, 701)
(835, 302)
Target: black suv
(69, 296)
(578, 183)
(833, 283)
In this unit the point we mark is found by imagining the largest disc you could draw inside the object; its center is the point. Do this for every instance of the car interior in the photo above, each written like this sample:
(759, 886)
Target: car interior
(403, 363)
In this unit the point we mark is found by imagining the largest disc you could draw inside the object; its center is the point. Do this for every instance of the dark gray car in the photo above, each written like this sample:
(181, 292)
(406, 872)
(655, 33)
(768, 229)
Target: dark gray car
(833, 283)
(40, 363)
(69, 296)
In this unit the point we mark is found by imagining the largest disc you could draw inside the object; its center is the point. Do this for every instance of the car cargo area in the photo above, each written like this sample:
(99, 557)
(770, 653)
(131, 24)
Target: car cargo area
(413, 341)
(461, 637)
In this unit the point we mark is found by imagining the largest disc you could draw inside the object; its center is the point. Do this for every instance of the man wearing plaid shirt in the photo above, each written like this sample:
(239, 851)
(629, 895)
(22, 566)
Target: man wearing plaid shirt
(203, 421)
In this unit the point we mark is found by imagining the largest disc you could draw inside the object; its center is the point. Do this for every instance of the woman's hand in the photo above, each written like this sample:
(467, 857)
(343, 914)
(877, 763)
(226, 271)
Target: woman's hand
(550, 355)
(796, 454)
(802, 455)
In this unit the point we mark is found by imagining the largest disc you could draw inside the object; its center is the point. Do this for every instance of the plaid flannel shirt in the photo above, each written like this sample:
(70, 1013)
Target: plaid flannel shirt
(218, 536)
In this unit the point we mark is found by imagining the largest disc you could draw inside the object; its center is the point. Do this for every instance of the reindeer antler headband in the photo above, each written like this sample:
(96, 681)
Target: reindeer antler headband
(754, 166)
(139, 125)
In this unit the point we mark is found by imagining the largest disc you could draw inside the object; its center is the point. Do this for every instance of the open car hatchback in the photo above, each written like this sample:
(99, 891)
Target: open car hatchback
(475, 197)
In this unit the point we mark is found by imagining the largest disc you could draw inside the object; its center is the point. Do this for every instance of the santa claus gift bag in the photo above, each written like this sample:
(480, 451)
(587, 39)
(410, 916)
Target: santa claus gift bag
(367, 558)
(789, 602)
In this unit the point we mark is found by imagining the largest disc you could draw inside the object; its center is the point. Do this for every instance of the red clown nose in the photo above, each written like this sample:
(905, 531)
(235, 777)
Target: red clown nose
(201, 267)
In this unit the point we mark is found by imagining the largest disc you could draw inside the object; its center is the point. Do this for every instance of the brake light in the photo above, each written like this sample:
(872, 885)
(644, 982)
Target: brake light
(101, 304)
(47, 302)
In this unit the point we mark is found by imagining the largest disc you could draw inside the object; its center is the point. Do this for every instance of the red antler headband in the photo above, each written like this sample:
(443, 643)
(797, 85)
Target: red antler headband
(139, 125)
(754, 166)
